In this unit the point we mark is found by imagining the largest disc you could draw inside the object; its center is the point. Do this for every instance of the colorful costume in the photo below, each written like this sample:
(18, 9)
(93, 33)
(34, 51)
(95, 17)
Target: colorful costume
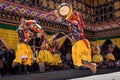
(81, 51)
(27, 28)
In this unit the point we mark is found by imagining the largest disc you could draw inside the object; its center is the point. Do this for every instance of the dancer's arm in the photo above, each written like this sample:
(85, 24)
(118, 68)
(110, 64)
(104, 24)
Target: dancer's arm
(55, 13)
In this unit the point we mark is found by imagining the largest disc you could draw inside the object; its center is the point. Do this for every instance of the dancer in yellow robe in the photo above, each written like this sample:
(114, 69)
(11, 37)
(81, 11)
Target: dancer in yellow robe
(23, 56)
(44, 57)
(81, 50)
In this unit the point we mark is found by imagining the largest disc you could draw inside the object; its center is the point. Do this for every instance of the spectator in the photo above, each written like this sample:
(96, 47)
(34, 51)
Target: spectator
(1, 60)
(69, 60)
(6, 61)
(110, 59)
(96, 56)
(11, 58)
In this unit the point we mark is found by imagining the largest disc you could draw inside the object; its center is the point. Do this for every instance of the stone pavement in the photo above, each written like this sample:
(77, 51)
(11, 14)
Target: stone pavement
(109, 76)
(65, 75)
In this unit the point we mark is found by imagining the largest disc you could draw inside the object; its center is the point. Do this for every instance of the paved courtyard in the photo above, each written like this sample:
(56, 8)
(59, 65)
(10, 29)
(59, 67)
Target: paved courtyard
(109, 76)
(69, 74)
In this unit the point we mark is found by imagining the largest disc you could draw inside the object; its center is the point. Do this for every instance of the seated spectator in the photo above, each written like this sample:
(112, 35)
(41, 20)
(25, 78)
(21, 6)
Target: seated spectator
(11, 58)
(1, 60)
(110, 59)
(96, 56)
(117, 63)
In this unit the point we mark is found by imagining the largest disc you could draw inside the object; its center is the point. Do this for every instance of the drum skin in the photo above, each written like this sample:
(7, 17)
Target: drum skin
(64, 9)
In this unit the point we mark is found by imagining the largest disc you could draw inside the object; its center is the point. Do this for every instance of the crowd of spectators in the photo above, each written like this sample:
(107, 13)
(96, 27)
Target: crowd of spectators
(105, 56)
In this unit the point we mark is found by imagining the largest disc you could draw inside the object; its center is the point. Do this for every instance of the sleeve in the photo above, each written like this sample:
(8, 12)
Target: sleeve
(80, 20)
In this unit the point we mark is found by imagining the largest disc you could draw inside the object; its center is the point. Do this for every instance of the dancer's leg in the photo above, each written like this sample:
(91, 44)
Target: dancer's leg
(91, 66)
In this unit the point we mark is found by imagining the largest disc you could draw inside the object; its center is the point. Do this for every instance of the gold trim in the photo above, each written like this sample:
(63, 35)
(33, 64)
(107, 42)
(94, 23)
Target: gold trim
(69, 15)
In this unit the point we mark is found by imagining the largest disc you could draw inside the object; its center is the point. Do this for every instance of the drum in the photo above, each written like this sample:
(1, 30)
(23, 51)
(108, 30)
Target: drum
(64, 9)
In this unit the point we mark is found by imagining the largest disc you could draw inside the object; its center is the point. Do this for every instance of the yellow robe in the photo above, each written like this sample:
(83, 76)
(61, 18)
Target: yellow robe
(44, 56)
(49, 58)
(56, 59)
(24, 50)
(81, 51)
(41, 56)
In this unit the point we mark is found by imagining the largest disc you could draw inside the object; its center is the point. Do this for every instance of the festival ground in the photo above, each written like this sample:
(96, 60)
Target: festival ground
(69, 74)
